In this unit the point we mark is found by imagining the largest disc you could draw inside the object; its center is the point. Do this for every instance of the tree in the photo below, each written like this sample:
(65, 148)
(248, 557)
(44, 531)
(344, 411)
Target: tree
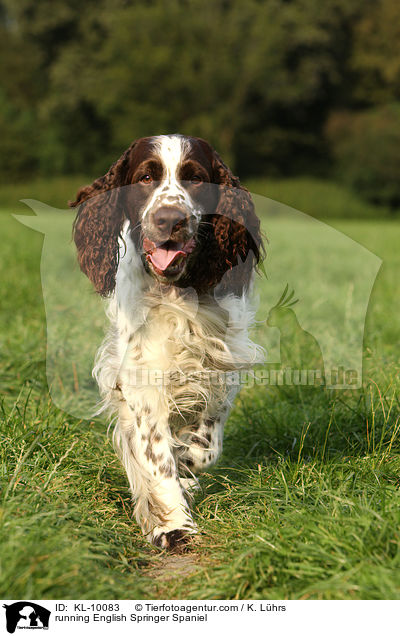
(376, 57)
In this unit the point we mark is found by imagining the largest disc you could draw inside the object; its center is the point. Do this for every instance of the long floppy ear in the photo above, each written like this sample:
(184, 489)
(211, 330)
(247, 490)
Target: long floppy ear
(236, 227)
(98, 224)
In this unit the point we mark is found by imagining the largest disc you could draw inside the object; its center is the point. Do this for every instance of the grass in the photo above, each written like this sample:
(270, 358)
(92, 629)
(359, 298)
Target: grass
(304, 502)
(56, 191)
(318, 197)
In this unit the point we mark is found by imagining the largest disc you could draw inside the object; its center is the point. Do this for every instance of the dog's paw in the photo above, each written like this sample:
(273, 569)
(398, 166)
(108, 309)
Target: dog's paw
(190, 484)
(175, 540)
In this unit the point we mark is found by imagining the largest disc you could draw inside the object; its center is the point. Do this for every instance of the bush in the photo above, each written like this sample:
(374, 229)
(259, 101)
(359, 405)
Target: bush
(19, 142)
(366, 148)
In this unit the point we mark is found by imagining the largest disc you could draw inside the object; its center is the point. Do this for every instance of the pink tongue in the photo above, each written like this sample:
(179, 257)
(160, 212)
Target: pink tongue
(162, 258)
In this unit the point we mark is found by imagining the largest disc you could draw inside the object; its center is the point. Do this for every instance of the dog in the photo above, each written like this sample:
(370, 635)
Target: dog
(171, 237)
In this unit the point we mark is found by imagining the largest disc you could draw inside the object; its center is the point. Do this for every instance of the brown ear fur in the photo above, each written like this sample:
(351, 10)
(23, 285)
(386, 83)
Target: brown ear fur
(236, 228)
(98, 224)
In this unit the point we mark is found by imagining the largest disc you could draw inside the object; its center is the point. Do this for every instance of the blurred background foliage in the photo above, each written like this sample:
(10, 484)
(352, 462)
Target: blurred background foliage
(280, 87)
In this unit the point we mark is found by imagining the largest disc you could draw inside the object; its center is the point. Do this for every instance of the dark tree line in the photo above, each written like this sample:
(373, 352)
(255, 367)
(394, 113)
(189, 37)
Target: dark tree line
(278, 86)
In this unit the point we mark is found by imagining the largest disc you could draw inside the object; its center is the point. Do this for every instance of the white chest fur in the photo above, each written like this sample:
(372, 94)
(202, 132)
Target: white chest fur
(167, 348)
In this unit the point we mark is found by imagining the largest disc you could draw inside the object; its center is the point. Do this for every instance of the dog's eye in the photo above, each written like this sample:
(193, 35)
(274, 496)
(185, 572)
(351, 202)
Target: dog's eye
(146, 178)
(196, 179)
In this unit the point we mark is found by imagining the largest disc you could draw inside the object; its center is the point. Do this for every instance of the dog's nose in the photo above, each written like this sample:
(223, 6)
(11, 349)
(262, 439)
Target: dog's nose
(168, 219)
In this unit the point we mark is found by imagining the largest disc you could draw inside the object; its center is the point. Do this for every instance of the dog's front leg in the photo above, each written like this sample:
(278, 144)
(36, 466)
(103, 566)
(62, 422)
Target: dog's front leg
(144, 444)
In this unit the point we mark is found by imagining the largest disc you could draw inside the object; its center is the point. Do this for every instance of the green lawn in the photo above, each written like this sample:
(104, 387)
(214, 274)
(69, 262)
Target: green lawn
(304, 502)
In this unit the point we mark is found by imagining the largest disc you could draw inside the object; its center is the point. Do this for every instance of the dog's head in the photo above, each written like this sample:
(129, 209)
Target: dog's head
(189, 217)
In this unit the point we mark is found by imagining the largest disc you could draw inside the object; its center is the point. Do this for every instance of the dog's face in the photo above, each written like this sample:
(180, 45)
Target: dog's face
(190, 219)
(171, 198)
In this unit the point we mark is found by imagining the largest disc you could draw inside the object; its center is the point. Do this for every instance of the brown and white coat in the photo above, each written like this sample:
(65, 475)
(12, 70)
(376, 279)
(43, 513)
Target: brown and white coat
(171, 237)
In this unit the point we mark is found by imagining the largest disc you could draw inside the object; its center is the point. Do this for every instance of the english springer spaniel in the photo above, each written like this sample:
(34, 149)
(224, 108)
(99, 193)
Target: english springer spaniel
(172, 238)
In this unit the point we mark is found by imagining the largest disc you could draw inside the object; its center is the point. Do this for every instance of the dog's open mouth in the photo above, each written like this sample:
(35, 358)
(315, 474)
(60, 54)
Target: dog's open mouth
(168, 258)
